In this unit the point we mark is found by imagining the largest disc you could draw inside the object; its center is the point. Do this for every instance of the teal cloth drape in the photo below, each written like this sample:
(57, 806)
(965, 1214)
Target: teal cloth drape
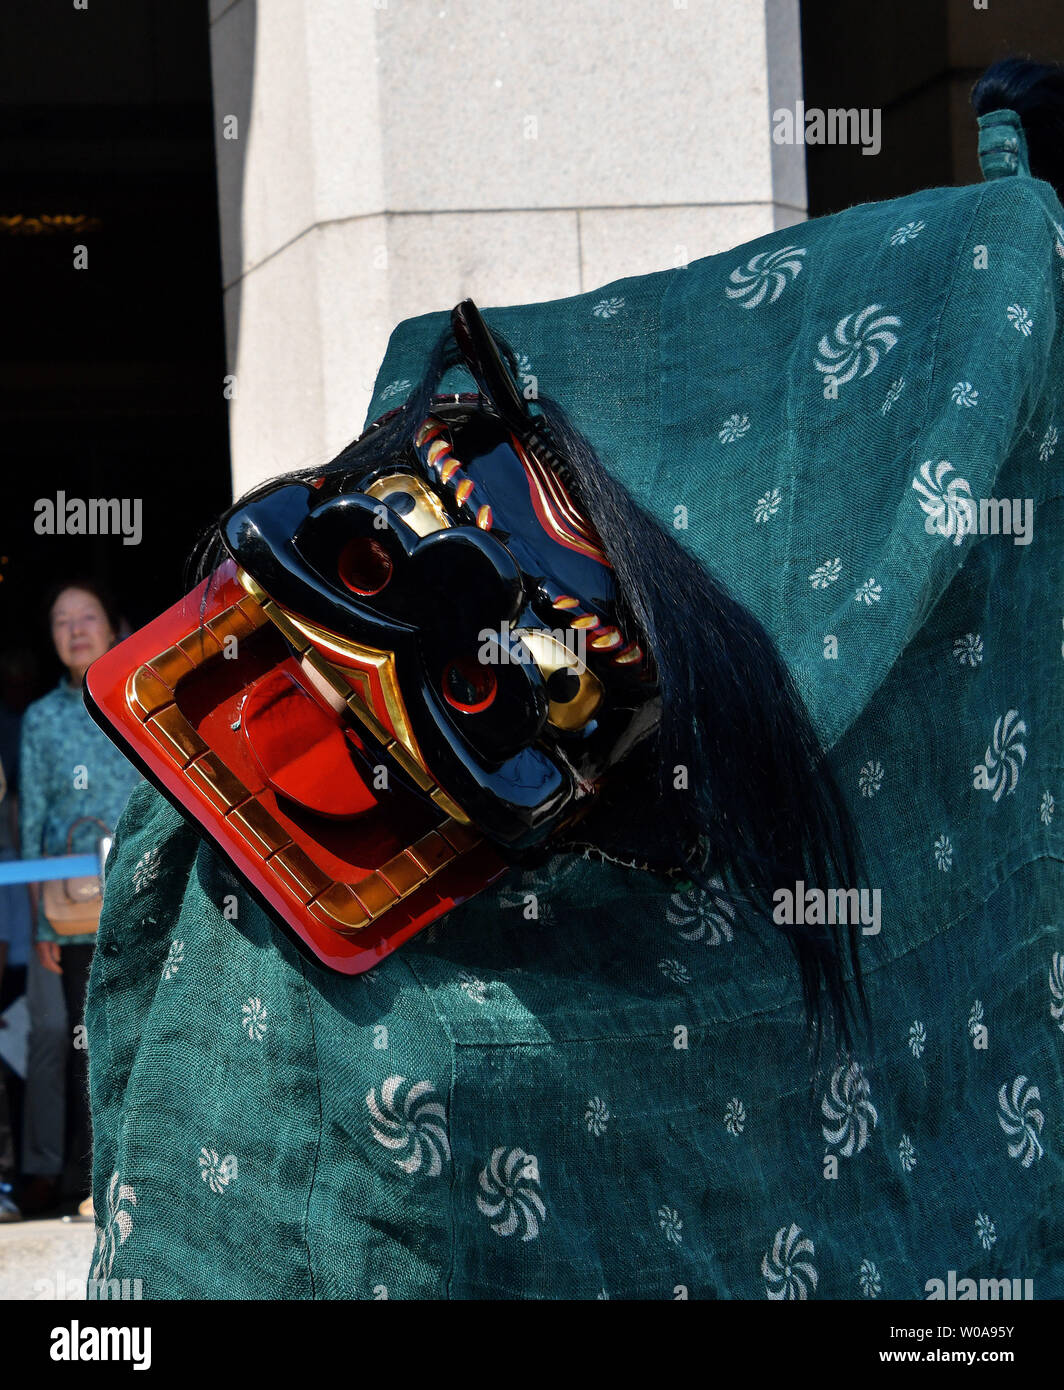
(586, 1084)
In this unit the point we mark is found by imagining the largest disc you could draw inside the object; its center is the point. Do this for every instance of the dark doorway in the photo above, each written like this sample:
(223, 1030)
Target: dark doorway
(917, 61)
(111, 376)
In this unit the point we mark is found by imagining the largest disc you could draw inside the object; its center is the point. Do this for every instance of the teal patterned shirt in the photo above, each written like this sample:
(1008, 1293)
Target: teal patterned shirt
(68, 768)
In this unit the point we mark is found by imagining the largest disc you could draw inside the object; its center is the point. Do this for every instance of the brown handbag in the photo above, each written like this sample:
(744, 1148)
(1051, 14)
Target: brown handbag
(72, 905)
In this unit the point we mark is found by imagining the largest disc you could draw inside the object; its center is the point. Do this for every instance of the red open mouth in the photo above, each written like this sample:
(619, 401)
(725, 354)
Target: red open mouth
(319, 820)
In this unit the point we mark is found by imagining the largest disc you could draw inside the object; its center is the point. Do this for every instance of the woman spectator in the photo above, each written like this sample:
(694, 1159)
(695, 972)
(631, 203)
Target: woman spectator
(73, 783)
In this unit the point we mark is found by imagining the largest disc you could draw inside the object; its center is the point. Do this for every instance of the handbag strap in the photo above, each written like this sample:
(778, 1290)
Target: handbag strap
(84, 820)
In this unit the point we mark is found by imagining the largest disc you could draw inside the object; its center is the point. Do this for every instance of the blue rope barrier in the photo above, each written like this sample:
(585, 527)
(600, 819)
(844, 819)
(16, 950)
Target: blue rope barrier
(38, 870)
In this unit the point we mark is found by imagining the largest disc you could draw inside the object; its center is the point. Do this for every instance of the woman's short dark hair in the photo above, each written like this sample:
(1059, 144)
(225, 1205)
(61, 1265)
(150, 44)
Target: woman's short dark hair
(90, 585)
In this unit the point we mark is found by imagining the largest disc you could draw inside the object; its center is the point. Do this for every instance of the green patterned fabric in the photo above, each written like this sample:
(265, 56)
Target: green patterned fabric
(584, 1084)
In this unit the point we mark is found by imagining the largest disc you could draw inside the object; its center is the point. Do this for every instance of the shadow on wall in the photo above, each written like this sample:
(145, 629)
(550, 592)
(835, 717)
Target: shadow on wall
(233, 31)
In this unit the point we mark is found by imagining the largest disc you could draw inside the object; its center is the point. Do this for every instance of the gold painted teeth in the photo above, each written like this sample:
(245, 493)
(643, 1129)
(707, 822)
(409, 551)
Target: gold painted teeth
(629, 656)
(430, 429)
(309, 653)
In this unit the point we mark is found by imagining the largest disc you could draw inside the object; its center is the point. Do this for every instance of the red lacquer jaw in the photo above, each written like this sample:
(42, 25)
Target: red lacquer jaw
(211, 704)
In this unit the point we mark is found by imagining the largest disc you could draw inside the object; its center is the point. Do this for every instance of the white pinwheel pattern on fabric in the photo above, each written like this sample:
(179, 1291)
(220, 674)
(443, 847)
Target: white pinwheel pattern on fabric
(671, 1225)
(702, 915)
(869, 592)
(509, 1193)
(968, 649)
(764, 277)
(985, 1231)
(1021, 1119)
(607, 308)
(253, 1021)
(856, 344)
(735, 1117)
(964, 394)
(768, 505)
(596, 1116)
(545, 884)
(826, 573)
(894, 390)
(947, 500)
(1048, 446)
(1020, 319)
(907, 232)
(848, 1110)
(917, 1039)
(869, 1279)
(174, 958)
(1006, 754)
(733, 428)
(1056, 989)
(870, 778)
(412, 1125)
(472, 987)
(217, 1172)
(907, 1153)
(943, 852)
(788, 1267)
(1046, 807)
(115, 1228)
(146, 870)
(674, 970)
(395, 388)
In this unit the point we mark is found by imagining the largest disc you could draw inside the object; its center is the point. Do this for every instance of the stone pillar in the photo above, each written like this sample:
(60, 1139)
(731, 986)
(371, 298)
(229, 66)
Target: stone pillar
(393, 156)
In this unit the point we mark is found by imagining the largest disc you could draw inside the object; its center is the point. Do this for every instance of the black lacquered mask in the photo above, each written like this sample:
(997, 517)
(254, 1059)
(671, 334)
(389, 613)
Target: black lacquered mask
(462, 593)
(460, 646)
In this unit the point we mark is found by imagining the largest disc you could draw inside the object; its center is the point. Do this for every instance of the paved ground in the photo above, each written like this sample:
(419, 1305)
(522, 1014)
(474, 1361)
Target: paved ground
(45, 1259)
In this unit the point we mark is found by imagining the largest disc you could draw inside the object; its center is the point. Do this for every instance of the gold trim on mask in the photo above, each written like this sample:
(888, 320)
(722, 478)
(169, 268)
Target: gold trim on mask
(550, 655)
(151, 694)
(353, 687)
(427, 515)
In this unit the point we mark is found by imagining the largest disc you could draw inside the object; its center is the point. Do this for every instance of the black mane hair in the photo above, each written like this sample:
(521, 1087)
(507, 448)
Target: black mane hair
(1035, 91)
(761, 808)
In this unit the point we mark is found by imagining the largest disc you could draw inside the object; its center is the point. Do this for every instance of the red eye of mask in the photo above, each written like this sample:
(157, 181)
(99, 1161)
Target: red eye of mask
(365, 566)
(468, 685)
